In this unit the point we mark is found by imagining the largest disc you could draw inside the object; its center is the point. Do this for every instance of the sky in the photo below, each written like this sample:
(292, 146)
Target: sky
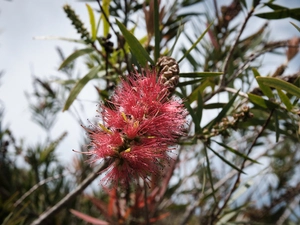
(22, 56)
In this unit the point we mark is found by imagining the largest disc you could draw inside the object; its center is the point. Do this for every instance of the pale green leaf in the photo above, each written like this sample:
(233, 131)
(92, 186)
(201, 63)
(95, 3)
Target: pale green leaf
(262, 102)
(195, 44)
(285, 99)
(280, 84)
(298, 28)
(105, 7)
(92, 22)
(265, 89)
(74, 56)
(79, 86)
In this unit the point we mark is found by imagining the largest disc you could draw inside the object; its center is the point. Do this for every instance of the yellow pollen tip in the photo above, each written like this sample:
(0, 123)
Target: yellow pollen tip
(127, 150)
(124, 116)
(104, 128)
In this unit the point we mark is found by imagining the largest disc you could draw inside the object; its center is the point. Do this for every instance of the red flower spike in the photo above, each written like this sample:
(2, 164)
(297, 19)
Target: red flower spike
(140, 131)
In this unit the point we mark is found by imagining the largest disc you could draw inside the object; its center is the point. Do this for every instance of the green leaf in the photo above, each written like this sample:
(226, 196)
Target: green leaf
(200, 74)
(277, 130)
(156, 31)
(59, 38)
(226, 161)
(189, 82)
(75, 55)
(179, 31)
(199, 109)
(92, 22)
(105, 7)
(237, 152)
(195, 44)
(223, 111)
(281, 14)
(137, 49)
(193, 96)
(280, 84)
(214, 105)
(79, 86)
(285, 99)
(298, 28)
(265, 89)
(262, 102)
(194, 117)
(209, 174)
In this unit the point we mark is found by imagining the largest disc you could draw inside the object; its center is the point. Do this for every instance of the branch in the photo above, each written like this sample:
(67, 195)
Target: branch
(54, 209)
(226, 63)
(237, 181)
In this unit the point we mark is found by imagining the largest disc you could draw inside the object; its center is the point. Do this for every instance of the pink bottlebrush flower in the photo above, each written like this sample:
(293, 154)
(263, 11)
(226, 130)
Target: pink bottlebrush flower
(138, 133)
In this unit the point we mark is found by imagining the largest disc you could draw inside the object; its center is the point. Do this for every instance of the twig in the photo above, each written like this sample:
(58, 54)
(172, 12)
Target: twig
(242, 167)
(54, 209)
(116, 33)
(232, 48)
(193, 206)
(35, 187)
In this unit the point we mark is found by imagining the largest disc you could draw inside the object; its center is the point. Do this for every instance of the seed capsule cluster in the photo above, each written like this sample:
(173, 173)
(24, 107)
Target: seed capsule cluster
(168, 69)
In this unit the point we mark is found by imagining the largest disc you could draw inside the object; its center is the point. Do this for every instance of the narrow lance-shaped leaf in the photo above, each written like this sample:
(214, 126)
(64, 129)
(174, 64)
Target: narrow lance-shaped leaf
(194, 45)
(226, 161)
(298, 28)
(105, 7)
(265, 89)
(277, 130)
(156, 31)
(92, 21)
(285, 99)
(137, 49)
(262, 102)
(281, 14)
(200, 74)
(79, 85)
(223, 111)
(74, 56)
(280, 84)
(237, 152)
(209, 174)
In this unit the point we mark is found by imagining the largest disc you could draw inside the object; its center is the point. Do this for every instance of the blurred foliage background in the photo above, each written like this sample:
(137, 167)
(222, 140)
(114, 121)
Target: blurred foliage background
(240, 165)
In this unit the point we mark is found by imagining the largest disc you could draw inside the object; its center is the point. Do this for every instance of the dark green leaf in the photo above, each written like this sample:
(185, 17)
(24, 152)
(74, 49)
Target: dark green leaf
(226, 161)
(74, 56)
(200, 74)
(277, 130)
(156, 31)
(280, 84)
(223, 112)
(79, 85)
(209, 174)
(137, 49)
(237, 152)
(194, 117)
(281, 14)
(199, 109)
(185, 83)
(214, 105)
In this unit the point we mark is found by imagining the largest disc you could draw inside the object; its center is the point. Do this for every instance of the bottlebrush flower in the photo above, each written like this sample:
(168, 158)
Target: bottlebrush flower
(139, 131)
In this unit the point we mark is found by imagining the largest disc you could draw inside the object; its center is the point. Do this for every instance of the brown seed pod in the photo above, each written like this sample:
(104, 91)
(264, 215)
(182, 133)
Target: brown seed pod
(168, 70)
